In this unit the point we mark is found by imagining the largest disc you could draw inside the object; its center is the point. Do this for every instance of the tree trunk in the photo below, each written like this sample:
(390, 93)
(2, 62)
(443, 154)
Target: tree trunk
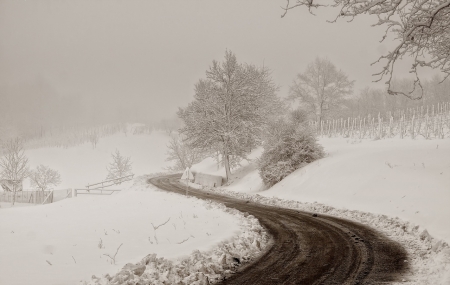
(226, 162)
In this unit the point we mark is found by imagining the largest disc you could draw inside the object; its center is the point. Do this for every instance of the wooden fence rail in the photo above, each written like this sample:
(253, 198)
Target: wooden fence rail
(110, 182)
(99, 191)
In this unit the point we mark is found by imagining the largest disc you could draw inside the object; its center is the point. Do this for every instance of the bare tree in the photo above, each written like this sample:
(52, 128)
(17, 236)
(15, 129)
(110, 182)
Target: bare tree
(321, 87)
(13, 164)
(230, 108)
(44, 178)
(183, 155)
(421, 28)
(120, 167)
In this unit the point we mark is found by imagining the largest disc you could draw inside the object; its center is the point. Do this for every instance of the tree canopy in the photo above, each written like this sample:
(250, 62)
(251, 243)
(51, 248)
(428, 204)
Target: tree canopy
(421, 28)
(321, 88)
(230, 109)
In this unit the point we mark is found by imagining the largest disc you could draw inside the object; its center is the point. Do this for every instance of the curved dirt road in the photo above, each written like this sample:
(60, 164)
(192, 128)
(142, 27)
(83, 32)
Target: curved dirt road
(309, 250)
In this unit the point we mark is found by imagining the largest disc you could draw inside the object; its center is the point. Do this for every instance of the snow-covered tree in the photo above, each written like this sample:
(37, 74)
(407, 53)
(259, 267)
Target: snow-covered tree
(13, 164)
(321, 88)
(183, 155)
(44, 178)
(119, 167)
(288, 146)
(420, 28)
(230, 109)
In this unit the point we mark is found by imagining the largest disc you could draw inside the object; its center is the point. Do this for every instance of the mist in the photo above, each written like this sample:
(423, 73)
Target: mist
(95, 62)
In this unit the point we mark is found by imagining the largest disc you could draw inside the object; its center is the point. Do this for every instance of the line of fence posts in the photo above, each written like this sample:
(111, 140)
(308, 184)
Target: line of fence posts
(33, 197)
(428, 121)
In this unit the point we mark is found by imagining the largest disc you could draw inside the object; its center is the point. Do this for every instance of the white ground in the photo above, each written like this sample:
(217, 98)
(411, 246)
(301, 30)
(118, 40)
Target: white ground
(83, 165)
(16, 205)
(68, 234)
(65, 242)
(409, 179)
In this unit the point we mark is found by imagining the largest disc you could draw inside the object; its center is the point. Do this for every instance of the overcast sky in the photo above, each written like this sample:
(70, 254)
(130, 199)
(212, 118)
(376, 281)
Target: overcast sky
(153, 52)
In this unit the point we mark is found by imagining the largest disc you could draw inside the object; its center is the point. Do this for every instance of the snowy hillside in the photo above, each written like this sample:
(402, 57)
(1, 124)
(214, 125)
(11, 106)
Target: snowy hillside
(409, 179)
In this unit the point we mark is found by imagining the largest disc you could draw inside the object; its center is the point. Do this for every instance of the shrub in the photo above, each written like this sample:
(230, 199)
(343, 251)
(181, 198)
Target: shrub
(289, 148)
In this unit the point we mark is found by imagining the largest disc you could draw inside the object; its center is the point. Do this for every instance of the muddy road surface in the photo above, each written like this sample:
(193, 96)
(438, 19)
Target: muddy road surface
(309, 249)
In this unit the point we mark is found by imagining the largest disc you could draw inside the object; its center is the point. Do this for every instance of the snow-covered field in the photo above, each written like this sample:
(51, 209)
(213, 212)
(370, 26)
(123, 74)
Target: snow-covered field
(68, 241)
(82, 165)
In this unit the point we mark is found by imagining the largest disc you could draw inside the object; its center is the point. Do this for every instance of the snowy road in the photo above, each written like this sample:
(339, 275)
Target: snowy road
(310, 250)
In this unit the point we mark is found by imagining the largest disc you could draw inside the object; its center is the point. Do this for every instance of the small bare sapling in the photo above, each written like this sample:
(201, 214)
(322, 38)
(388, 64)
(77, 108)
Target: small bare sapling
(113, 258)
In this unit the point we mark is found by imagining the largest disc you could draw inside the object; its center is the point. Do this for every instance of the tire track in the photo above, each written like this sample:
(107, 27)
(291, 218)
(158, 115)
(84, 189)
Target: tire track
(321, 250)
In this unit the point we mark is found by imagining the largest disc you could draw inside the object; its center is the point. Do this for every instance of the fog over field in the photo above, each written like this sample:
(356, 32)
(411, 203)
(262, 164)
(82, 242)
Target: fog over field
(72, 62)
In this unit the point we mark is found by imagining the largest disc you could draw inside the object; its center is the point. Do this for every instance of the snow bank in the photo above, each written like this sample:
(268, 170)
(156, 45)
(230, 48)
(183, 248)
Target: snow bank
(200, 267)
(68, 241)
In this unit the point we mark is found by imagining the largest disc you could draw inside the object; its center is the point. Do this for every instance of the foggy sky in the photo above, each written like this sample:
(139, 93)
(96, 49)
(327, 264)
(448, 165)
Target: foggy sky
(146, 56)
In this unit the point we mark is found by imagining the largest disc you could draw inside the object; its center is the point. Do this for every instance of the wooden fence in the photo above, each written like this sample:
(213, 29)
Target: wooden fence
(110, 182)
(430, 122)
(36, 197)
(98, 191)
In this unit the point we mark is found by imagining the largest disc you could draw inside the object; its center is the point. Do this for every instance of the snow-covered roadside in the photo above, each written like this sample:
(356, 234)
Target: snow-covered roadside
(200, 267)
(69, 241)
